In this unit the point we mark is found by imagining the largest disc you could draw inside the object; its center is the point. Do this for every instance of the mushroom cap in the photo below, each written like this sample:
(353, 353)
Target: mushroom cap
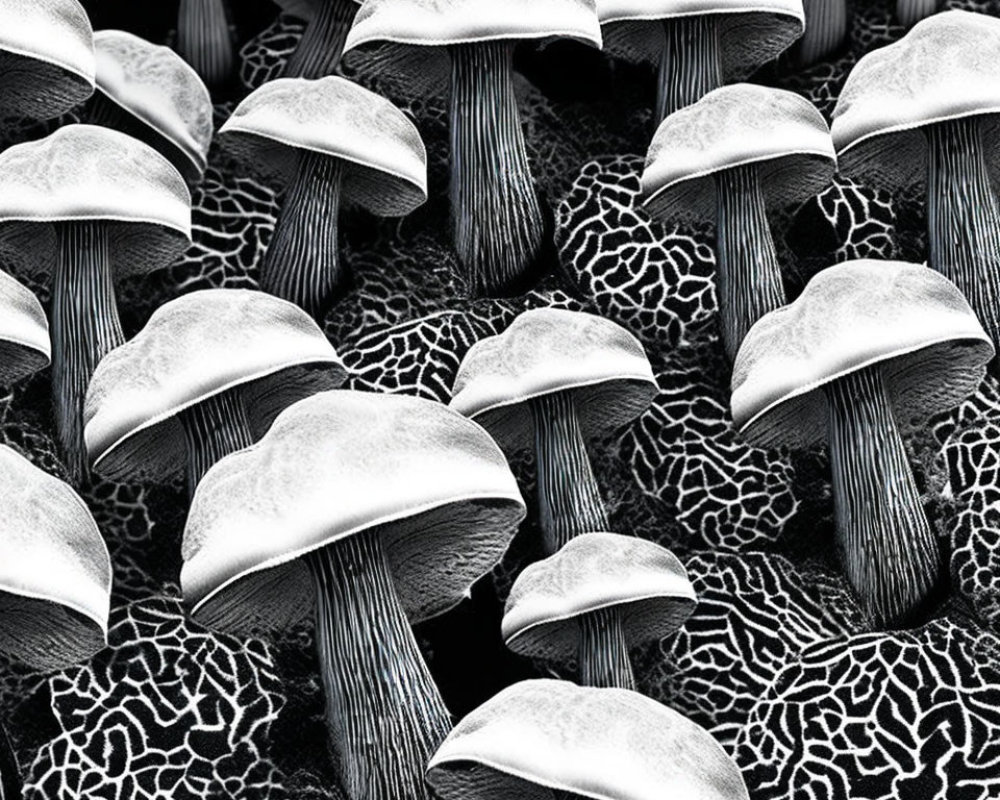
(605, 744)
(161, 90)
(306, 9)
(910, 320)
(86, 172)
(46, 57)
(385, 164)
(24, 332)
(336, 464)
(550, 350)
(55, 571)
(594, 571)
(780, 132)
(947, 67)
(194, 347)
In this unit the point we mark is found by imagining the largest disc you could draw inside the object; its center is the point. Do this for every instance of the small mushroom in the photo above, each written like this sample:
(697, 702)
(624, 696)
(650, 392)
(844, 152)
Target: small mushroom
(540, 738)
(557, 379)
(496, 218)
(204, 40)
(375, 512)
(328, 141)
(910, 12)
(826, 28)
(600, 595)
(868, 351)
(24, 332)
(731, 156)
(322, 43)
(85, 205)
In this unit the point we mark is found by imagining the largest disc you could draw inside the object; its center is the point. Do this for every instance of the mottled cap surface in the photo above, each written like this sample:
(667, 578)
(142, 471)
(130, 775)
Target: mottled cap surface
(910, 320)
(195, 347)
(645, 582)
(432, 483)
(25, 347)
(385, 164)
(781, 133)
(545, 351)
(946, 68)
(605, 744)
(55, 572)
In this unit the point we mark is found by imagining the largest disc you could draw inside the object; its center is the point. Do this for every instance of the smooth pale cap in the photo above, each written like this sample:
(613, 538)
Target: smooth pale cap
(550, 350)
(306, 9)
(46, 57)
(25, 347)
(192, 348)
(336, 464)
(86, 172)
(910, 320)
(780, 132)
(385, 164)
(947, 67)
(160, 89)
(55, 571)
(646, 582)
(605, 744)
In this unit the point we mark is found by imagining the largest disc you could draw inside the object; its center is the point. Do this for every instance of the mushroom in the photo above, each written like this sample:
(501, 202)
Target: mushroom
(863, 355)
(600, 595)
(204, 40)
(375, 511)
(24, 332)
(88, 204)
(322, 44)
(731, 156)
(910, 12)
(923, 112)
(557, 378)
(328, 140)
(542, 736)
(826, 28)
(205, 377)
(496, 218)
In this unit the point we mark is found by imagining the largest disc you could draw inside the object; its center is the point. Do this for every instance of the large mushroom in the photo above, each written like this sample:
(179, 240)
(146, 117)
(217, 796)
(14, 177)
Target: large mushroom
(24, 332)
(375, 512)
(204, 40)
(496, 217)
(328, 141)
(728, 158)
(867, 352)
(322, 44)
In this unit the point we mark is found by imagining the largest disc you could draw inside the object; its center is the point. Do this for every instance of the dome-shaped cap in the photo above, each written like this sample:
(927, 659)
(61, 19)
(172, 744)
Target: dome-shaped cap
(947, 67)
(55, 572)
(160, 89)
(192, 348)
(550, 350)
(910, 320)
(24, 332)
(780, 132)
(385, 164)
(605, 744)
(336, 464)
(594, 571)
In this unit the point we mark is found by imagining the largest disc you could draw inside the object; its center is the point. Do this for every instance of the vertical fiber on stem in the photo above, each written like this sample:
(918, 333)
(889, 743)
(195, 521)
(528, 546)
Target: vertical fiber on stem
(214, 428)
(690, 64)
(603, 651)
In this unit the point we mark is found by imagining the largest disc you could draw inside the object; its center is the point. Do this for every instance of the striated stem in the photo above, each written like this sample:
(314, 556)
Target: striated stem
(384, 713)
(603, 652)
(322, 43)
(214, 428)
(826, 28)
(910, 12)
(690, 65)
(889, 552)
(495, 213)
(203, 40)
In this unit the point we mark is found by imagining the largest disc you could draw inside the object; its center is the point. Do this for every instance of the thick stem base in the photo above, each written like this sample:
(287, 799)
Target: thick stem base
(690, 65)
(213, 429)
(603, 651)
(322, 44)
(203, 40)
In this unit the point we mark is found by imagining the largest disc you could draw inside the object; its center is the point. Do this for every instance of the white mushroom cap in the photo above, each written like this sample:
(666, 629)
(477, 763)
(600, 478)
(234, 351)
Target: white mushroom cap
(947, 67)
(192, 348)
(24, 332)
(594, 571)
(337, 464)
(385, 164)
(910, 320)
(549, 350)
(604, 744)
(55, 571)
(780, 132)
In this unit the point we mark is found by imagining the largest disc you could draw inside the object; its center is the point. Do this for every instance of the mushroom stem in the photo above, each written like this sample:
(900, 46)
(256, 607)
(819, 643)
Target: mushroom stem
(384, 713)
(910, 12)
(602, 651)
(496, 217)
(204, 41)
(322, 43)
(889, 552)
(826, 27)
(214, 428)
(570, 502)
(690, 64)
(85, 327)
(302, 264)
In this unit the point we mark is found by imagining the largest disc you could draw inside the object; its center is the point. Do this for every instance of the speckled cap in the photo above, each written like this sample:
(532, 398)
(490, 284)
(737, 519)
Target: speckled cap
(550, 350)
(593, 571)
(910, 320)
(385, 164)
(605, 744)
(55, 572)
(336, 464)
(25, 347)
(192, 348)
(780, 132)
